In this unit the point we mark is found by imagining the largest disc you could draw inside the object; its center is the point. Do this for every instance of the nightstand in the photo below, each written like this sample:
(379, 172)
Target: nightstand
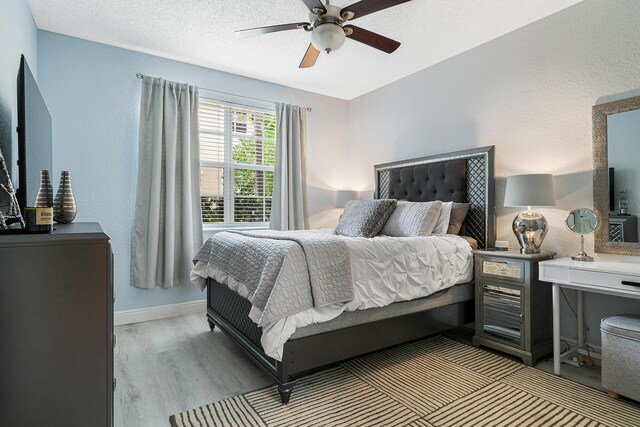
(513, 307)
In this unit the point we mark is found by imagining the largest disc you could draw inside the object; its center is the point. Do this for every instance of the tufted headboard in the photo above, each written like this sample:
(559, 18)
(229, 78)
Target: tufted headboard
(462, 176)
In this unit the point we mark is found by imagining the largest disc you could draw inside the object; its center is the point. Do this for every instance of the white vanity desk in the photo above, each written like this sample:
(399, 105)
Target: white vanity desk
(616, 275)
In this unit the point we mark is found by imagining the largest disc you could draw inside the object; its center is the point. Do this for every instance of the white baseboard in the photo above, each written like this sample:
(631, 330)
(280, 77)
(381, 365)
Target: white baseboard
(126, 317)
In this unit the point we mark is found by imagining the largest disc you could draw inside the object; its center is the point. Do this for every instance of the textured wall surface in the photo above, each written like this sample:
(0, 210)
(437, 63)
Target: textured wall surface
(530, 94)
(94, 96)
(18, 35)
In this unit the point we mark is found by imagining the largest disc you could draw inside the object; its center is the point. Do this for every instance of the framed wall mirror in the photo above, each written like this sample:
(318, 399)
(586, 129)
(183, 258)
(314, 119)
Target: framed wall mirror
(616, 175)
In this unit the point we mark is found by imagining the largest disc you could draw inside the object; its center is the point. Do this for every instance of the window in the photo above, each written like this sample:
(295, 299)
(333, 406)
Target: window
(237, 155)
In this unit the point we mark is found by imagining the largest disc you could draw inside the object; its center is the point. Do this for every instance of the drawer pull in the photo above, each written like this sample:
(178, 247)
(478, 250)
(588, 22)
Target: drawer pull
(630, 283)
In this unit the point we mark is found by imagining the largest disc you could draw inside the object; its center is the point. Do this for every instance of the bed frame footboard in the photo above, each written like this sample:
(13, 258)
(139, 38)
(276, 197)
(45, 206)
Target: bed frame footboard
(229, 311)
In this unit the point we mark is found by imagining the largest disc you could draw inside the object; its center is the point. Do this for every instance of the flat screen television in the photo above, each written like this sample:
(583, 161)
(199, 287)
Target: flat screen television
(34, 137)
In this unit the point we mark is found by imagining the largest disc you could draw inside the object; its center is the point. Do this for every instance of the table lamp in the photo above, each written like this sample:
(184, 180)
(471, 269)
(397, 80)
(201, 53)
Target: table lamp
(530, 227)
(343, 196)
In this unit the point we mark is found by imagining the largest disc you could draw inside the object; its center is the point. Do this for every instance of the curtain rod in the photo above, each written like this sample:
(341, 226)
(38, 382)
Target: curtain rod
(141, 76)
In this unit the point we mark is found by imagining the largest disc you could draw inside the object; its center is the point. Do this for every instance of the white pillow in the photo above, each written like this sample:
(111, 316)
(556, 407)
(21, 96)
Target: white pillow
(443, 220)
(410, 219)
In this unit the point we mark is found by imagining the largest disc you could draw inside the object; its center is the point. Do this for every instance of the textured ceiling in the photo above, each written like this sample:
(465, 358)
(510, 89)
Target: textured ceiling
(202, 32)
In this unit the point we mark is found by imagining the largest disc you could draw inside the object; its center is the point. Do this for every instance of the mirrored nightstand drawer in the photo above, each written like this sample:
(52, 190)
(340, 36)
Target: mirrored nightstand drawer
(502, 312)
(511, 270)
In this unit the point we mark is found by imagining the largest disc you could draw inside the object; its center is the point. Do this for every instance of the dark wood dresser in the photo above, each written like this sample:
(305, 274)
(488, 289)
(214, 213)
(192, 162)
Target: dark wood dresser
(56, 326)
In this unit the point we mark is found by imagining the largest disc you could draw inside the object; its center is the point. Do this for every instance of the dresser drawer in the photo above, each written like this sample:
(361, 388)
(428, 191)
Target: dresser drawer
(606, 280)
(505, 269)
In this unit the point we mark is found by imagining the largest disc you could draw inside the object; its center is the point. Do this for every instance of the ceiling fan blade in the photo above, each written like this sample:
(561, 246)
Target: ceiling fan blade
(372, 39)
(314, 4)
(271, 29)
(365, 7)
(310, 57)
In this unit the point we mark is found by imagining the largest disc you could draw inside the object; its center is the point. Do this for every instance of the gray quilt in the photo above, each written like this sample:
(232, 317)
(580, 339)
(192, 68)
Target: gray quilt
(285, 272)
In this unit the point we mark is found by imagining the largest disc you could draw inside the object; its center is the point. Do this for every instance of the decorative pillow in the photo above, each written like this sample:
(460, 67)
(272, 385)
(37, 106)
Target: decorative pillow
(365, 218)
(443, 220)
(411, 219)
(458, 214)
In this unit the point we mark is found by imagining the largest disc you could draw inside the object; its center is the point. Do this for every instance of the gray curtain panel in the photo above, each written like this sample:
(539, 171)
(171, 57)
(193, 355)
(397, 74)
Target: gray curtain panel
(289, 202)
(167, 226)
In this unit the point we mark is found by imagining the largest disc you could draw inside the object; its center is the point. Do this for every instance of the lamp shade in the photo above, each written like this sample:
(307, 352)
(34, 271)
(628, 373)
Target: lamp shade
(343, 196)
(366, 195)
(530, 190)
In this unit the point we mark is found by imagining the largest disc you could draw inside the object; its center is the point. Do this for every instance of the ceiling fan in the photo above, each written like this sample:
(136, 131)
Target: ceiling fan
(328, 27)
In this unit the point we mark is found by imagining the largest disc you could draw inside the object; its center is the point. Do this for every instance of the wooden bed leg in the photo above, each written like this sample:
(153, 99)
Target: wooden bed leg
(285, 392)
(613, 394)
(212, 325)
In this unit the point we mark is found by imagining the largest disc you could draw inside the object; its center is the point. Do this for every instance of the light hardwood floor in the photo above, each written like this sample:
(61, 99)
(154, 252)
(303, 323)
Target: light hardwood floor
(167, 366)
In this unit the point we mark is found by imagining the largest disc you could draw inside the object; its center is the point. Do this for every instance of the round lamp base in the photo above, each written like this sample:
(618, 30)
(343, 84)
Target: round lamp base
(529, 250)
(584, 258)
(530, 228)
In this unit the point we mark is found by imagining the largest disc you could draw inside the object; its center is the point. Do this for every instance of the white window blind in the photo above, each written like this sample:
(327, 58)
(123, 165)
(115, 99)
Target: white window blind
(237, 155)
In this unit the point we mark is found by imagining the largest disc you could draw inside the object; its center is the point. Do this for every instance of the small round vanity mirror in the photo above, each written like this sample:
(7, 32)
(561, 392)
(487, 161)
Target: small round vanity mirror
(582, 221)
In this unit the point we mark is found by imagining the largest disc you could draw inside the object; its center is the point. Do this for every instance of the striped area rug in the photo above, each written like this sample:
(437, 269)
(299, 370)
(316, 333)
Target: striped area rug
(437, 382)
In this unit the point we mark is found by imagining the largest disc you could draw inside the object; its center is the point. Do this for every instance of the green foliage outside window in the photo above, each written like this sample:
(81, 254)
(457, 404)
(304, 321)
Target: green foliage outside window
(252, 189)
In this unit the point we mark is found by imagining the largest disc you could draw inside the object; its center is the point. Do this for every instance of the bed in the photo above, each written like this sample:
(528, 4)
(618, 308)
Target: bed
(464, 176)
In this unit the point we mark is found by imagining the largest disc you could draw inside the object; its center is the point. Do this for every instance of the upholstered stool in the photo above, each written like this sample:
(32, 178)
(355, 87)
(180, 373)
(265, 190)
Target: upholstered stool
(621, 355)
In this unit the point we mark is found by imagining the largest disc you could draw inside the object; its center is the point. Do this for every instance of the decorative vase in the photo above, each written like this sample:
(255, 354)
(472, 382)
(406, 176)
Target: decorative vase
(64, 206)
(44, 198)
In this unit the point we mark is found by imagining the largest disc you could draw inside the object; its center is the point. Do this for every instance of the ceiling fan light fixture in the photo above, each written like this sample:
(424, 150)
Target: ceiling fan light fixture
(328, 37)
(329, 27)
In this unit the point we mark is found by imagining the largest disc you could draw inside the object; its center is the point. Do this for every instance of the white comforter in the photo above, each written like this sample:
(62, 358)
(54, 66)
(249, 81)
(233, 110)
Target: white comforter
(384, 269)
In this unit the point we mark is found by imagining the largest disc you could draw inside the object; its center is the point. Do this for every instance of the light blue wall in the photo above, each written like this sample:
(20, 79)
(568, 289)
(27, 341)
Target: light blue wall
(18, 35)
(94, 97)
